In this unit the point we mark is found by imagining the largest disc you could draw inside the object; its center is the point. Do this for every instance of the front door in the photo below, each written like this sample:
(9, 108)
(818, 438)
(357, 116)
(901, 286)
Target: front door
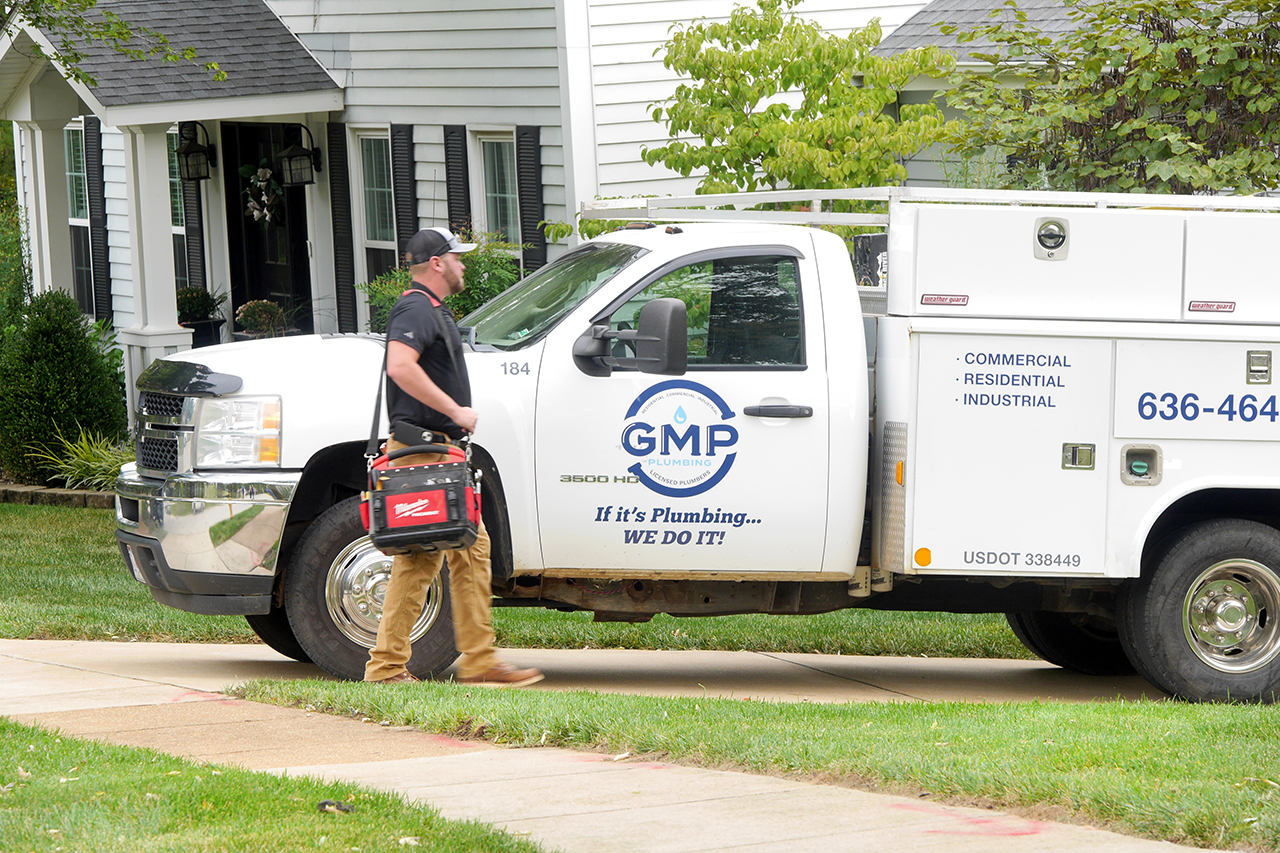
(267, 241)
(643, 472)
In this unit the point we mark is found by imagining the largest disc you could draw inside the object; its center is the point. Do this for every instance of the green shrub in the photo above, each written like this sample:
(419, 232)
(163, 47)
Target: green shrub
(90, 462)
(53, 379)
(383, 292)
(490, 269)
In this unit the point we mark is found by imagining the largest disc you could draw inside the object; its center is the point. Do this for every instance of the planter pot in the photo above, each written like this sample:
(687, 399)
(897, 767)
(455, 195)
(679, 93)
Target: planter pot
(205, 333)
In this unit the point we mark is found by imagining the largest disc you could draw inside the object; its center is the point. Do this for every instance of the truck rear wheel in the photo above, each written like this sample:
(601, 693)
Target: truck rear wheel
(273, 629)
(1204, 625)
(1075, 641)
(334, 591)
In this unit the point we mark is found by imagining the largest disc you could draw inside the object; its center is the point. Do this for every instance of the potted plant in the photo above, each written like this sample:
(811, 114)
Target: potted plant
(261, 318)
(201, 312)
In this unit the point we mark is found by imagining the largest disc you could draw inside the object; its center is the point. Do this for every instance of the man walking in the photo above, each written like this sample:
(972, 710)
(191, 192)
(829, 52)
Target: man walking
(429, 401)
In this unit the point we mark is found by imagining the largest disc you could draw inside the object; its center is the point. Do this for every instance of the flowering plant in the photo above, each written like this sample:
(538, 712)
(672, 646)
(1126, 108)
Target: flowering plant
(263, 192)
(261, 316)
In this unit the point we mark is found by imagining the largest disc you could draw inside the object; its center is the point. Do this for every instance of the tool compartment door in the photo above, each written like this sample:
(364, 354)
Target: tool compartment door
(1009, 459)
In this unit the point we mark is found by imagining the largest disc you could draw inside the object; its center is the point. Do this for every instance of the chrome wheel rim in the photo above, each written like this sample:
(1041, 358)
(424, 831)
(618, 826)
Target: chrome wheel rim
(1231, 616)
(356, 588)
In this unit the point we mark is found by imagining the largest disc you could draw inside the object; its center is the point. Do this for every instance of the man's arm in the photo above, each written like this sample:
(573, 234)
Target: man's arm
(403, 369)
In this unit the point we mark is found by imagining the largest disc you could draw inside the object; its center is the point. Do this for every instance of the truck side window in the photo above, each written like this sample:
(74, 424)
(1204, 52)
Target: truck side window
(742, 311)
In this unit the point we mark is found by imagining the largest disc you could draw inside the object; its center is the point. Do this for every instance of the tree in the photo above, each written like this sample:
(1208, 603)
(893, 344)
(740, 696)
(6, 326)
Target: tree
(1144, 95)
(848, 129)
(71, 25)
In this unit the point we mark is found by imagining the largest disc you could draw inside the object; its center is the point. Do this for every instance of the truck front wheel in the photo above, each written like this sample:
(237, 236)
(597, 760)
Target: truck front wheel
(273, 629)
(334, 591)
(1204, 625)
(1075, 641)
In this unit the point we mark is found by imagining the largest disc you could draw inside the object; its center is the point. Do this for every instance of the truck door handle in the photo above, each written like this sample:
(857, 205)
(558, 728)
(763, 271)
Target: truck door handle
(778, 411)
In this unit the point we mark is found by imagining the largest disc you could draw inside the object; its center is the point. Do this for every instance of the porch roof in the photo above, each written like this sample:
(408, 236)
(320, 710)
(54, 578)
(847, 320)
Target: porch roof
(269, 71)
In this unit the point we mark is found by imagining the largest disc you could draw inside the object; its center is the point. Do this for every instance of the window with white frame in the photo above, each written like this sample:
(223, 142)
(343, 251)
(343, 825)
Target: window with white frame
(377, 201)
(497, 187)
(78, 218)
(177, 215)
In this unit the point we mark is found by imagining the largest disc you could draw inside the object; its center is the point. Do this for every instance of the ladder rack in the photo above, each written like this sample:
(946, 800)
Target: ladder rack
(736, 207)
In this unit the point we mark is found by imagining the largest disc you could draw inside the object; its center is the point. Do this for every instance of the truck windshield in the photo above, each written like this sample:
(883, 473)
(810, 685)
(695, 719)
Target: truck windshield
(524, 313)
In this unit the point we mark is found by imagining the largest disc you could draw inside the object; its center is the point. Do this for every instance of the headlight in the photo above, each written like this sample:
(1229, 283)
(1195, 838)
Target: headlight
(238, 431)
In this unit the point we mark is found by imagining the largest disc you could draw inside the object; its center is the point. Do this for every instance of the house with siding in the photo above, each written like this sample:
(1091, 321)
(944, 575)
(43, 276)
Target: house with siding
(495, 114)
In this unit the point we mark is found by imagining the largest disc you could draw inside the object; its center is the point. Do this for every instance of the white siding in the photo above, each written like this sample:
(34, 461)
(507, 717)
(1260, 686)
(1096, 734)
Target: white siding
(627, 77)
(119, 257)
(436, 62)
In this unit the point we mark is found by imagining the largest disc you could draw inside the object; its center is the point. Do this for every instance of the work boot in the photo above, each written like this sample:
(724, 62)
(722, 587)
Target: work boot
(504, 675)
(405, 677)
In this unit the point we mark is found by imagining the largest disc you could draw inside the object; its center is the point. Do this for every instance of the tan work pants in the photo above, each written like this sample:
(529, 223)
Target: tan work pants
(470, 594)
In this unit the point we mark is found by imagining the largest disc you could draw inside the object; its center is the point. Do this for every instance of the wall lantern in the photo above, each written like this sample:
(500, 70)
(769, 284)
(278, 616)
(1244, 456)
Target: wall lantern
(298, 165)
(195, 159)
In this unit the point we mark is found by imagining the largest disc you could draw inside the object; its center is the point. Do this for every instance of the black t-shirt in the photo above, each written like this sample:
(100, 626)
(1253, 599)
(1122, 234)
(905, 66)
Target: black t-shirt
(417, 322)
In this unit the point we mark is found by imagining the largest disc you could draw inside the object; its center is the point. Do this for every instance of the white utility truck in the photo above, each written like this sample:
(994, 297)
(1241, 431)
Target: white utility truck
(1061, 407)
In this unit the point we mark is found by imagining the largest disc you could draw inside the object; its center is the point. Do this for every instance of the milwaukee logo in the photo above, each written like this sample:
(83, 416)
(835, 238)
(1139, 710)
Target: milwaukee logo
(428, 507)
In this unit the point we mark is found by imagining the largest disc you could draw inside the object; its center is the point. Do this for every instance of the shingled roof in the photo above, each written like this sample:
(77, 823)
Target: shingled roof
(922, 28)
(256, 50)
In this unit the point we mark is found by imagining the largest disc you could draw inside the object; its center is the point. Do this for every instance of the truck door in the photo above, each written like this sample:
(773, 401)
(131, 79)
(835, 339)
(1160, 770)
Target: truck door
(717, 470)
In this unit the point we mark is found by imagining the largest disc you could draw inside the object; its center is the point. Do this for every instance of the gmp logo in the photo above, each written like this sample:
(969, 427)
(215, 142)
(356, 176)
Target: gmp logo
(677, 429)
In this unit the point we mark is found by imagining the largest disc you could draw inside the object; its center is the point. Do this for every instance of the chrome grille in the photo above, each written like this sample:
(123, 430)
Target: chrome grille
(160, 405)
(158, 454)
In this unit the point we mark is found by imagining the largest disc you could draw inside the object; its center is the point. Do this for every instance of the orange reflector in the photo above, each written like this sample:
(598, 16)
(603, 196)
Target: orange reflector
(924, 557)
(899, 474)
(268, 449)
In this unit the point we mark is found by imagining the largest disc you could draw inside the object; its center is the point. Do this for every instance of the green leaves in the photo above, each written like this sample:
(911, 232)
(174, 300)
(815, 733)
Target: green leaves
(772, 100)
(1150, 95)
(72, 24)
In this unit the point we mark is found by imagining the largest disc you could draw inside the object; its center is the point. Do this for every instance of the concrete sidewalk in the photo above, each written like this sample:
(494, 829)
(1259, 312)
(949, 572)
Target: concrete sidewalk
(164, 696)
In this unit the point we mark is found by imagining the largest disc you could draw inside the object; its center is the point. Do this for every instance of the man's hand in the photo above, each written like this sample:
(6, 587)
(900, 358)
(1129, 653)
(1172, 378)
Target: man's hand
(465, 417)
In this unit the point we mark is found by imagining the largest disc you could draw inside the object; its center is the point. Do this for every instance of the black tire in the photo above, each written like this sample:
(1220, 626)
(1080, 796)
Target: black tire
(274, 630)
(335, 571)
(1204, 623)
(1075, 641)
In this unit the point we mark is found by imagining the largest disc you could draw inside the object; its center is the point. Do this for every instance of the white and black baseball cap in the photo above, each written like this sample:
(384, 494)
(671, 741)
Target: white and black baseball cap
(432, 242)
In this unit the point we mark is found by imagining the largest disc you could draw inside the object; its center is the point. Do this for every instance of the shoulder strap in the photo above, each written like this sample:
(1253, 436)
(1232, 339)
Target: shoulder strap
(371, 449)
(439, 305)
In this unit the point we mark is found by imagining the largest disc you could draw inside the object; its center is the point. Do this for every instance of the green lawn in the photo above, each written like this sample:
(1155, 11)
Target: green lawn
(1206, 775)
(62, 577)
(64, 794)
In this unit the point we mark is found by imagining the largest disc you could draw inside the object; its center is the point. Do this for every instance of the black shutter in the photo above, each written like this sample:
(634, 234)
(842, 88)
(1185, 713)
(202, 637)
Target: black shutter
(529, 187)
(98, 248)
(457, 184)
(193, 216)
(344, 267)
(403, 185)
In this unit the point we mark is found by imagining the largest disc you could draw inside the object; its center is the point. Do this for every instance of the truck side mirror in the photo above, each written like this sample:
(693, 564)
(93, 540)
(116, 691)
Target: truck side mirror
(661, 342)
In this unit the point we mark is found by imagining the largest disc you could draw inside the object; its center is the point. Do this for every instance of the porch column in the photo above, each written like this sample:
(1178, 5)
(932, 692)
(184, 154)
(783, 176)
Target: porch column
(50, 235)
(155, 331)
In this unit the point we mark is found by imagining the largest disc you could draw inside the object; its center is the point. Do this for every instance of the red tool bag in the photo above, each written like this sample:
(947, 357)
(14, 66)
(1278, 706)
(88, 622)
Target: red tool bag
(431, 507)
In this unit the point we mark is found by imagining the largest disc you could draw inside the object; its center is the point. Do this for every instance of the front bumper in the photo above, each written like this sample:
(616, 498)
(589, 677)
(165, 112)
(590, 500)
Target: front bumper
(205, 543)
